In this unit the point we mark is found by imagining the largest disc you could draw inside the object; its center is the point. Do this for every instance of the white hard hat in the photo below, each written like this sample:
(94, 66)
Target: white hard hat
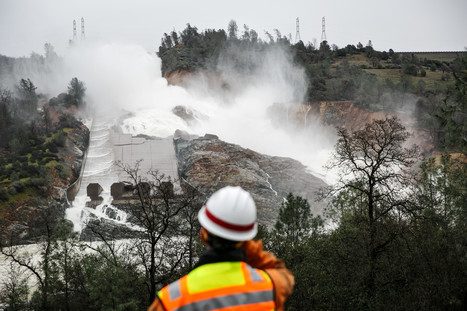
(230, 213)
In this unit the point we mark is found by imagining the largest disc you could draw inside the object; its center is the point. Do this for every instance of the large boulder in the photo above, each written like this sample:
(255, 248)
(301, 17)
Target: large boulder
(98, 229)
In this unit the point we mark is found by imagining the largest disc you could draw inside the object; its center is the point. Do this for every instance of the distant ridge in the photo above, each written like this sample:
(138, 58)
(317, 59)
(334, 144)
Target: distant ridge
(429, 52)
(443, 56)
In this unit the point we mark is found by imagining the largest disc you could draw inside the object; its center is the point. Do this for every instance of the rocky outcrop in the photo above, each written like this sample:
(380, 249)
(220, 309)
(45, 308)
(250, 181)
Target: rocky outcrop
(209, 164)
(345, 114)
(31, 222)
(98, 229)
(75, 154)
(75, 147)
(190, 116)
(177, 77)
(77, 144)
(185, 78)
(351, 117)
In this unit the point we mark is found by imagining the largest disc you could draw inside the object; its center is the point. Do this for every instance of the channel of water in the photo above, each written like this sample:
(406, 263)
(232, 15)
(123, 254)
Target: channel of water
(99, 168)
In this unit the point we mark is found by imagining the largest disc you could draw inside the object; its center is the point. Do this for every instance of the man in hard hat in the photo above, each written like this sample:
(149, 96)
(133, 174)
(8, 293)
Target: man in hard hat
(234, 272)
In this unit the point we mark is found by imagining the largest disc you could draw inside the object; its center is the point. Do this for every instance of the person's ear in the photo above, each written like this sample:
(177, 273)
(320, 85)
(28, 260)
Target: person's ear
(204, 235)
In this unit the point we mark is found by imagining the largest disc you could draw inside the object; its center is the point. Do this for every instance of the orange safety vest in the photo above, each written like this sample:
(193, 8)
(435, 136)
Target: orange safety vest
(227, 286)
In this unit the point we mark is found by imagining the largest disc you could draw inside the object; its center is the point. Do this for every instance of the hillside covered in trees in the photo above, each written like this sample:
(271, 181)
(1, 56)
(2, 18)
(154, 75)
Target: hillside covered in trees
(42, 147)
(431, 85)
(37, 136)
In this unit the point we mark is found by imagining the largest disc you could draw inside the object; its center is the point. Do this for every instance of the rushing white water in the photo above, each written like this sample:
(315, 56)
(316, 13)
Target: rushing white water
(98, 168)
(126, 78)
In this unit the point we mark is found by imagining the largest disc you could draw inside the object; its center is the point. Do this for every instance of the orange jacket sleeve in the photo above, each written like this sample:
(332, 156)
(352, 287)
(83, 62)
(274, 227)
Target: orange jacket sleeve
(282, 278)
(156, 306)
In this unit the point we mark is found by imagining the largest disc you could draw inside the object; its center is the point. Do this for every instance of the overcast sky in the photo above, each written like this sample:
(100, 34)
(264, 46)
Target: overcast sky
(403, 25)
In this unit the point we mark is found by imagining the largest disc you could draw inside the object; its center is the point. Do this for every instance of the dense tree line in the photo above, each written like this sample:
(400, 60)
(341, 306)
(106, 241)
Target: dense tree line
(193, 50)
(397, 236)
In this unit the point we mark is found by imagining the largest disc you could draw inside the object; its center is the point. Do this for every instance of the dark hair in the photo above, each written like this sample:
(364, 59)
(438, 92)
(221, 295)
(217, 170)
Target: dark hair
(220, 244)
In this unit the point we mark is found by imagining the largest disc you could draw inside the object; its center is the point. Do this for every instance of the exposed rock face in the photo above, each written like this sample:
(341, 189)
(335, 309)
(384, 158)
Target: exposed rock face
(189, 115)
(184, 113)
(177, 77)
(75, 147)
(346, 114)
(28, 223)
(185, 78)
(209, 164)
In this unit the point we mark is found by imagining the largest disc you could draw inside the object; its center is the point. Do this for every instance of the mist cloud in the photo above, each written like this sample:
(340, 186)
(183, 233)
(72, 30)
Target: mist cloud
(123, 78)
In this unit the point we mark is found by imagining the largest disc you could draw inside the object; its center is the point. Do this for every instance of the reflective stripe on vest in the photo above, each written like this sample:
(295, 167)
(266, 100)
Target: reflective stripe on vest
(232, 285)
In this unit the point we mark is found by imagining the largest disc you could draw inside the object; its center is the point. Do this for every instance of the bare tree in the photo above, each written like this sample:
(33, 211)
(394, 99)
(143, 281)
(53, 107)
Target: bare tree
(373, 182)
(159, 212)
(54, 254)
(14, 289)
(191, 225)
(41, 270)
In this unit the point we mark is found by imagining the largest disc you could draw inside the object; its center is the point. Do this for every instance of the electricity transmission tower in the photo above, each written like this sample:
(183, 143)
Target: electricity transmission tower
(74, 30)
(323, 32)
(82, 28)
(297, 33)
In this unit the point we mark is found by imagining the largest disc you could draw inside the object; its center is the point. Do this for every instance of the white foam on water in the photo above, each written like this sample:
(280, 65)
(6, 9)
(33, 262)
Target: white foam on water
(98, 168)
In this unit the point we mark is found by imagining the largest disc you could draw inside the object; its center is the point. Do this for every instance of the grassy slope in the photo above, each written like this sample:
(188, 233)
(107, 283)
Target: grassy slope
(432, 79)
(439, 56)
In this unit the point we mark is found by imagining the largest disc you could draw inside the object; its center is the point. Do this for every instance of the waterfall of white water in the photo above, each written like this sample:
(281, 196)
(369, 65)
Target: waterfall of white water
(99, 168)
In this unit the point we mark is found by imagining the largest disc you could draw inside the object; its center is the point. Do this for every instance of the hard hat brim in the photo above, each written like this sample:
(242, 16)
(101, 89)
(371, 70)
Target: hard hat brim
(232, 235)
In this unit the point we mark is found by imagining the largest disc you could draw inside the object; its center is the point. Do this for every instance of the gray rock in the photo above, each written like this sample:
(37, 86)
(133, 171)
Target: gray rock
(209, 164)
(99, 229)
